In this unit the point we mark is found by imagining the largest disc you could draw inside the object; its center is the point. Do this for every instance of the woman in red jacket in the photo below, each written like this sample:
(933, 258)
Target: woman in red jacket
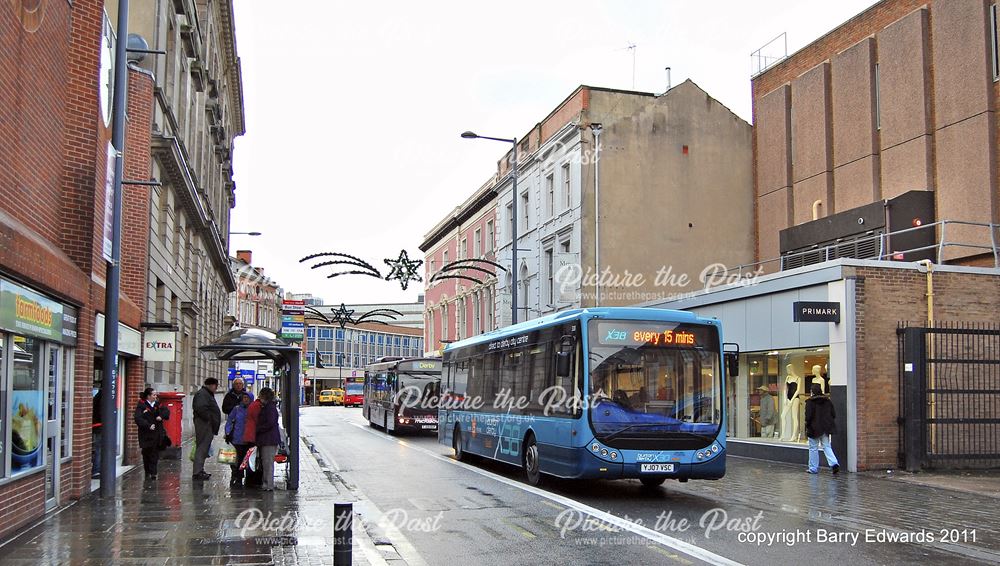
(250, 430)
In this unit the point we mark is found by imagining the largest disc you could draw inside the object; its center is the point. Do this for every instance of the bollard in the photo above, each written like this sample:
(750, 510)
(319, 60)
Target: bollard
(343, 516)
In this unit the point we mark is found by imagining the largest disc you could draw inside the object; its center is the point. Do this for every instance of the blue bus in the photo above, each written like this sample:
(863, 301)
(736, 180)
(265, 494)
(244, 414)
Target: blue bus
(592, 393)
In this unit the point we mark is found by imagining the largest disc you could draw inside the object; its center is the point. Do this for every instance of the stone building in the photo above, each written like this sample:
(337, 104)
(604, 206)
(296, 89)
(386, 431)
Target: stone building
(198, 111)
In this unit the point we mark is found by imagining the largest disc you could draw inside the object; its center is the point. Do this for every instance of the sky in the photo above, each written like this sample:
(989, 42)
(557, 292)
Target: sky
(354, 109)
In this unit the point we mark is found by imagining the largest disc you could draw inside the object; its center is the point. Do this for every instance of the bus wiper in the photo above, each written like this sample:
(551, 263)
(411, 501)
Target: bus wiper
(630, 427)
(672, 434)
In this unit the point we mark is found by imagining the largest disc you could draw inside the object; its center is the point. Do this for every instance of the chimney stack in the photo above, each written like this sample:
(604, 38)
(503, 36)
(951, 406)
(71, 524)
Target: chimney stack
(246, 256)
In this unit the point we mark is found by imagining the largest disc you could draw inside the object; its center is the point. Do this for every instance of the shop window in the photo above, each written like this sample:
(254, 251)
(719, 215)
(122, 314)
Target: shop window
(767, 401)
(27, 403)
(3, 405)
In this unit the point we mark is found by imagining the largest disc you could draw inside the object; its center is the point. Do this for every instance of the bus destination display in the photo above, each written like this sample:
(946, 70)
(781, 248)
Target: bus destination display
(639, 334)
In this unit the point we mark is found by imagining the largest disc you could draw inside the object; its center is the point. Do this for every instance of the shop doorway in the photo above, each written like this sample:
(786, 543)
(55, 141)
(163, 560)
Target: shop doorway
(119, 425)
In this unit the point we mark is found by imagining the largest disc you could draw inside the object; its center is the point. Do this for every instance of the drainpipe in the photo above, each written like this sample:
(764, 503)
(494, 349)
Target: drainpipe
(596, 129)
(929, 265)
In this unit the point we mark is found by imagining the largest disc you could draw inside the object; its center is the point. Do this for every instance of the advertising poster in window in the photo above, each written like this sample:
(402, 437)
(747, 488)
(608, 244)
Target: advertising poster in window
(27, 406)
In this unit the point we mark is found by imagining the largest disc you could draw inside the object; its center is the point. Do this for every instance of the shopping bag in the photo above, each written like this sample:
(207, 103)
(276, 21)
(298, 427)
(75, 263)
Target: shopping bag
(191, 453)
(227, 455)
(250, 460)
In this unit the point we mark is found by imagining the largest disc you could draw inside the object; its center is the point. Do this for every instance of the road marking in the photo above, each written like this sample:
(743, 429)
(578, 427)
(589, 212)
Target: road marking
(607, 518)
(554, 506)
(521, 530)
(670, 555)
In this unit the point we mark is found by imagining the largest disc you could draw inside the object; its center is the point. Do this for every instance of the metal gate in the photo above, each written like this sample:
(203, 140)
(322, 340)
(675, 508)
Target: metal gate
(949, 396)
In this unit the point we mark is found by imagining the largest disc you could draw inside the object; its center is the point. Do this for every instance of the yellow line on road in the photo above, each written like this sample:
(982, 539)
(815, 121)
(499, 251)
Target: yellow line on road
(671, 555)
(554, 506)
(524, 532)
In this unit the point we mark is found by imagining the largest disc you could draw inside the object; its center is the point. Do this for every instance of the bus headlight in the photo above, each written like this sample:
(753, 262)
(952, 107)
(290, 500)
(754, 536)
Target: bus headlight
(604, 451)
(595, 447)
(701, 455)
(614, 455)
(715, 448)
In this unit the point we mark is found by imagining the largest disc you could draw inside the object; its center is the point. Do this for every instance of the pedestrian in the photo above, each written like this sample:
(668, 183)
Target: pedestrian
(820, 417)
(768, 414)
(254, 478)
(268, 435)
(235, 425)
(233, 396)
(149, 417)
(207, 420)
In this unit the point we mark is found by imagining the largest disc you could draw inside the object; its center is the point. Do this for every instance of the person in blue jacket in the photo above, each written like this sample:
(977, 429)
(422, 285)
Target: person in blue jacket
(235, 424)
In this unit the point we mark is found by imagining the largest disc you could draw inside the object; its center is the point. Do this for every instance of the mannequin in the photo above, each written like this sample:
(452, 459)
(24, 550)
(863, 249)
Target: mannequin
(819, 377)
(794, 390)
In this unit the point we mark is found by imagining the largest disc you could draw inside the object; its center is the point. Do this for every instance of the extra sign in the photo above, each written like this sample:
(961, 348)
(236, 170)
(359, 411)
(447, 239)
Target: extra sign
(159, 346)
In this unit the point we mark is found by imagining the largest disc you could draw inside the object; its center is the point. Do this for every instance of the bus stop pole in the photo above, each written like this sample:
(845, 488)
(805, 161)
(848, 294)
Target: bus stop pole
(293, 382)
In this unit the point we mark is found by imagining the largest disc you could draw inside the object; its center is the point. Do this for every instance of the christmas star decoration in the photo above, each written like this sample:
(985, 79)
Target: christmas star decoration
(403, 269)
(342, 316)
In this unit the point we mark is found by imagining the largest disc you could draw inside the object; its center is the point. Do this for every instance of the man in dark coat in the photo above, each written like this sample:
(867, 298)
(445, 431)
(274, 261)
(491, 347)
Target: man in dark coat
(235, 395)
(820, 424)
(207, 420)
(149, 417)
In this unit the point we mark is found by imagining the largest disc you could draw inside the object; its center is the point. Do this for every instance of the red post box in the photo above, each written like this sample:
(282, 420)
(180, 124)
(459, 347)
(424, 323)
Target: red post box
(175, 402)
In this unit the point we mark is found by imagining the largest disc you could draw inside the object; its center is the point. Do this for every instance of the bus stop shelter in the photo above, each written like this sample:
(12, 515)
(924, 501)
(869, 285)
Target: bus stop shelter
(244, 344)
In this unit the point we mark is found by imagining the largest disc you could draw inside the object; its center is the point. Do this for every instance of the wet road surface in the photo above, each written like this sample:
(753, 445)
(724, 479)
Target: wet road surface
(760, 513)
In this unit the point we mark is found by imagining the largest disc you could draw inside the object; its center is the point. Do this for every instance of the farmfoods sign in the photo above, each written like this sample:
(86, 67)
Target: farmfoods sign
(26, 312)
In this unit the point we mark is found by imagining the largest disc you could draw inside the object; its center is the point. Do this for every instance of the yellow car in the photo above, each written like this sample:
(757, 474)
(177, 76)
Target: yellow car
(331, 397)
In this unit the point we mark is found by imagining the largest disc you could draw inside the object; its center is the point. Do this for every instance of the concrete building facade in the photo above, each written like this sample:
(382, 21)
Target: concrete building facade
(624, 197)
(900, 98)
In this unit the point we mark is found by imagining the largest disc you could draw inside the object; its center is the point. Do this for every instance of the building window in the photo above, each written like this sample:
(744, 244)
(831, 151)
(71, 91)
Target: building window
(550, 195)
(489, 236)
(476, 315)
(444, 322)
(767, 400)
(567, 192)
(460, 318)
(477, 243)
(510, 221)
(549, 287)
(564, 245)
(465, 249)
(444, 258)
(525, 213)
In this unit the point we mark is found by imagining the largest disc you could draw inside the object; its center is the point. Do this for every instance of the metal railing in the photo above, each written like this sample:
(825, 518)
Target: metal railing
(884, 242)
(770, 54)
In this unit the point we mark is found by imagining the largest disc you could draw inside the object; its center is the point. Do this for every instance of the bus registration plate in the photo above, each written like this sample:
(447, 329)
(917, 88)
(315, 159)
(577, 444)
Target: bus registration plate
(428, 426)
(656, 468)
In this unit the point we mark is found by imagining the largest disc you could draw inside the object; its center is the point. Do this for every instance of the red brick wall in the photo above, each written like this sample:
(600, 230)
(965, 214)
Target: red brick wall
(53, 156)
(886, 297)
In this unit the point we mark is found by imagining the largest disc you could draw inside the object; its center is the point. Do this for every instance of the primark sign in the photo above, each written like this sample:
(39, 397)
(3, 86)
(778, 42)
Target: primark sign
(816, 311)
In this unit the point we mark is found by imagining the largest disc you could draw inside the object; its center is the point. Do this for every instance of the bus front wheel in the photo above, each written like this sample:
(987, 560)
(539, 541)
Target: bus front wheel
(456, 440)
(532, 466)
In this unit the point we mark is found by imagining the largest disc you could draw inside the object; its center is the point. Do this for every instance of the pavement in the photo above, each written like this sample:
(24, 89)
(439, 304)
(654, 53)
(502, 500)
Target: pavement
(176, 520)
(483, 513)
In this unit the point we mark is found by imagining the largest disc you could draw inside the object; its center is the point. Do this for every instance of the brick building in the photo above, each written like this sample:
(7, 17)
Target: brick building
(55, 155)
(892, 111)
(456, 307)
(876, 193)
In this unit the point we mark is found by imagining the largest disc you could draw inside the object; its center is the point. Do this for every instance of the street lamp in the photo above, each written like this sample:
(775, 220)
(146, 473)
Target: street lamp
(246, 233)
(513, 221)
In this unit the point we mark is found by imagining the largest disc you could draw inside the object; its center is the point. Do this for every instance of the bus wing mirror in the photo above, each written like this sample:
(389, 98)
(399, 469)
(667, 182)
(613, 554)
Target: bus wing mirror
(564, 357)
(563, 364)
(731, 353)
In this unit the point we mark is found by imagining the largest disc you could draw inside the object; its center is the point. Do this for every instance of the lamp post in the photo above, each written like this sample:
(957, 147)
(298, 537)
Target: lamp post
(245, 233)
(513, 220)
